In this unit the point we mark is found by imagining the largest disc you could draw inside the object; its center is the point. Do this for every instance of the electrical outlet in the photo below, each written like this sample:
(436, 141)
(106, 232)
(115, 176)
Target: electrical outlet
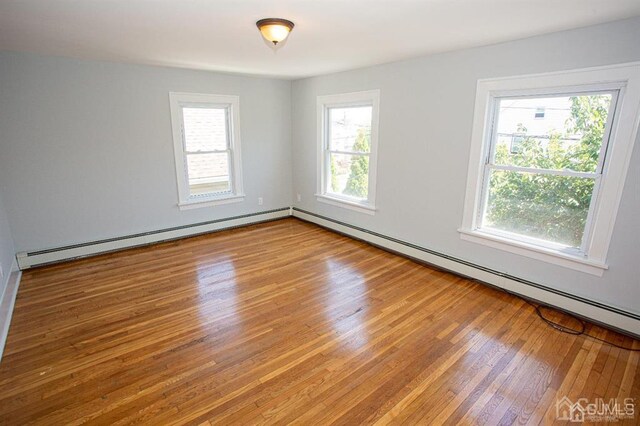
(260, 201)
(299, 197)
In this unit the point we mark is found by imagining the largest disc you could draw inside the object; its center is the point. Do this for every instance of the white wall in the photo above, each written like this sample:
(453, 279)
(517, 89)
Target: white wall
(87, 152)
(426, 113)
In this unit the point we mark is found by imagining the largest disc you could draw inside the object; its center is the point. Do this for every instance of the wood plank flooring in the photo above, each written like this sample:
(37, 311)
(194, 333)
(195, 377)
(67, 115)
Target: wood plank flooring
(288, 323)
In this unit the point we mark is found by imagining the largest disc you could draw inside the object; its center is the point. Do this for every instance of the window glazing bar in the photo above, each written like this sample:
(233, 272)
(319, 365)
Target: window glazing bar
(564, 172)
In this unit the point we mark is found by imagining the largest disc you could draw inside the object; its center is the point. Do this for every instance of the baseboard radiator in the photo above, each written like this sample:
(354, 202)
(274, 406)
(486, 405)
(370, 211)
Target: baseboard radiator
(28, 260)
(7, 302)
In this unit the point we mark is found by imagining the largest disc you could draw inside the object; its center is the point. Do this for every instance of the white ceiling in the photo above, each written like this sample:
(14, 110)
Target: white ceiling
(330, 35)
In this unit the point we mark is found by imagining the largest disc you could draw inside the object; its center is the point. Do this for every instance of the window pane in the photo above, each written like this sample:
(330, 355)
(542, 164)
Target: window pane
(563, 132)
(350, 129)
(349, 175)
(208, 173)
(548, 207)
(205, 129)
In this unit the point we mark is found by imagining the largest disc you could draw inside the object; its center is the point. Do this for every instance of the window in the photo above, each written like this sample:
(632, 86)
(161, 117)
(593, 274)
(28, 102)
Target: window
(544, 190)
(549, 189)
(516, 142)
(347, 149)
(207, 149)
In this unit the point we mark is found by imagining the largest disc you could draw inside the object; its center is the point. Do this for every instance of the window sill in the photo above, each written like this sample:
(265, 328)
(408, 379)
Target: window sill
(208, 202)
(351, 205)
(548, 255)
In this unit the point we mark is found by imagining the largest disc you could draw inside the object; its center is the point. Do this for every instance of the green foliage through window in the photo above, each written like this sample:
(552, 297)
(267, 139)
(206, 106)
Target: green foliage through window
(550, 206)
(358, 181)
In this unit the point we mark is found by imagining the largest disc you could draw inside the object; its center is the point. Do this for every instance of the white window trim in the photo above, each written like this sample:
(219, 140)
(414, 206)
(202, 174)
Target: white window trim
(369, 97)
(347, 204)
(626, 78)
(185, 201)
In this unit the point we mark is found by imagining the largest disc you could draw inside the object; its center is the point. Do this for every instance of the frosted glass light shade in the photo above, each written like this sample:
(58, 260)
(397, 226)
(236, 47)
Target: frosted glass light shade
(274, 30)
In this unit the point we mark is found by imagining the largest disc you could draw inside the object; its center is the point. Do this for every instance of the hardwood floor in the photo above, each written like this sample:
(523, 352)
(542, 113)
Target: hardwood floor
(286, 322)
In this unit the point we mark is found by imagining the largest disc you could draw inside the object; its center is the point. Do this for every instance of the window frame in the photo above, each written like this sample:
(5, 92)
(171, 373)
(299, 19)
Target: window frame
(617, 147)
(346, 100)
(231, 103)
(537, 115)
(490, 165)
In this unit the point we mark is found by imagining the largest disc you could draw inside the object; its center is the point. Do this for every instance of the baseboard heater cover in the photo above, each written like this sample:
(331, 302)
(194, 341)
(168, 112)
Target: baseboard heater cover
(609, 316)
(7, 302)
(30, 259)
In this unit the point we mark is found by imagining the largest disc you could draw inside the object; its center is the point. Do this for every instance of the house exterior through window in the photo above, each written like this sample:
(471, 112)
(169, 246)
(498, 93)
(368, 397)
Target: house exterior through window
(207, 149)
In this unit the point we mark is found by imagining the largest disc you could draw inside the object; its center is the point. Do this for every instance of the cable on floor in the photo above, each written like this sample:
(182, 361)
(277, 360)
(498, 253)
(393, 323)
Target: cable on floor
(564, 329)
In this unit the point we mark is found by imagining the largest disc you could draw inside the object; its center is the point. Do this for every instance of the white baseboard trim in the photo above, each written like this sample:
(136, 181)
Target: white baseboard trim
(28, 260)
(611, 317)
(7, 301)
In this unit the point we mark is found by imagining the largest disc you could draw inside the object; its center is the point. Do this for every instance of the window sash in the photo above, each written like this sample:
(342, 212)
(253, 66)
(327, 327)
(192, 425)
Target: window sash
(327, 114)
(328, 175)
(328, 151)
(597, 175)
(228, 150)
(491, 152)
(556, 172)
(227, 118)
(209, 194)
(218, 151)
(579, 251)
(364, 154)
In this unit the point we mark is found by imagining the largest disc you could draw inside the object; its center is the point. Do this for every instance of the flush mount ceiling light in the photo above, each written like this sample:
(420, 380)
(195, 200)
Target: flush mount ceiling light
(275, 30)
